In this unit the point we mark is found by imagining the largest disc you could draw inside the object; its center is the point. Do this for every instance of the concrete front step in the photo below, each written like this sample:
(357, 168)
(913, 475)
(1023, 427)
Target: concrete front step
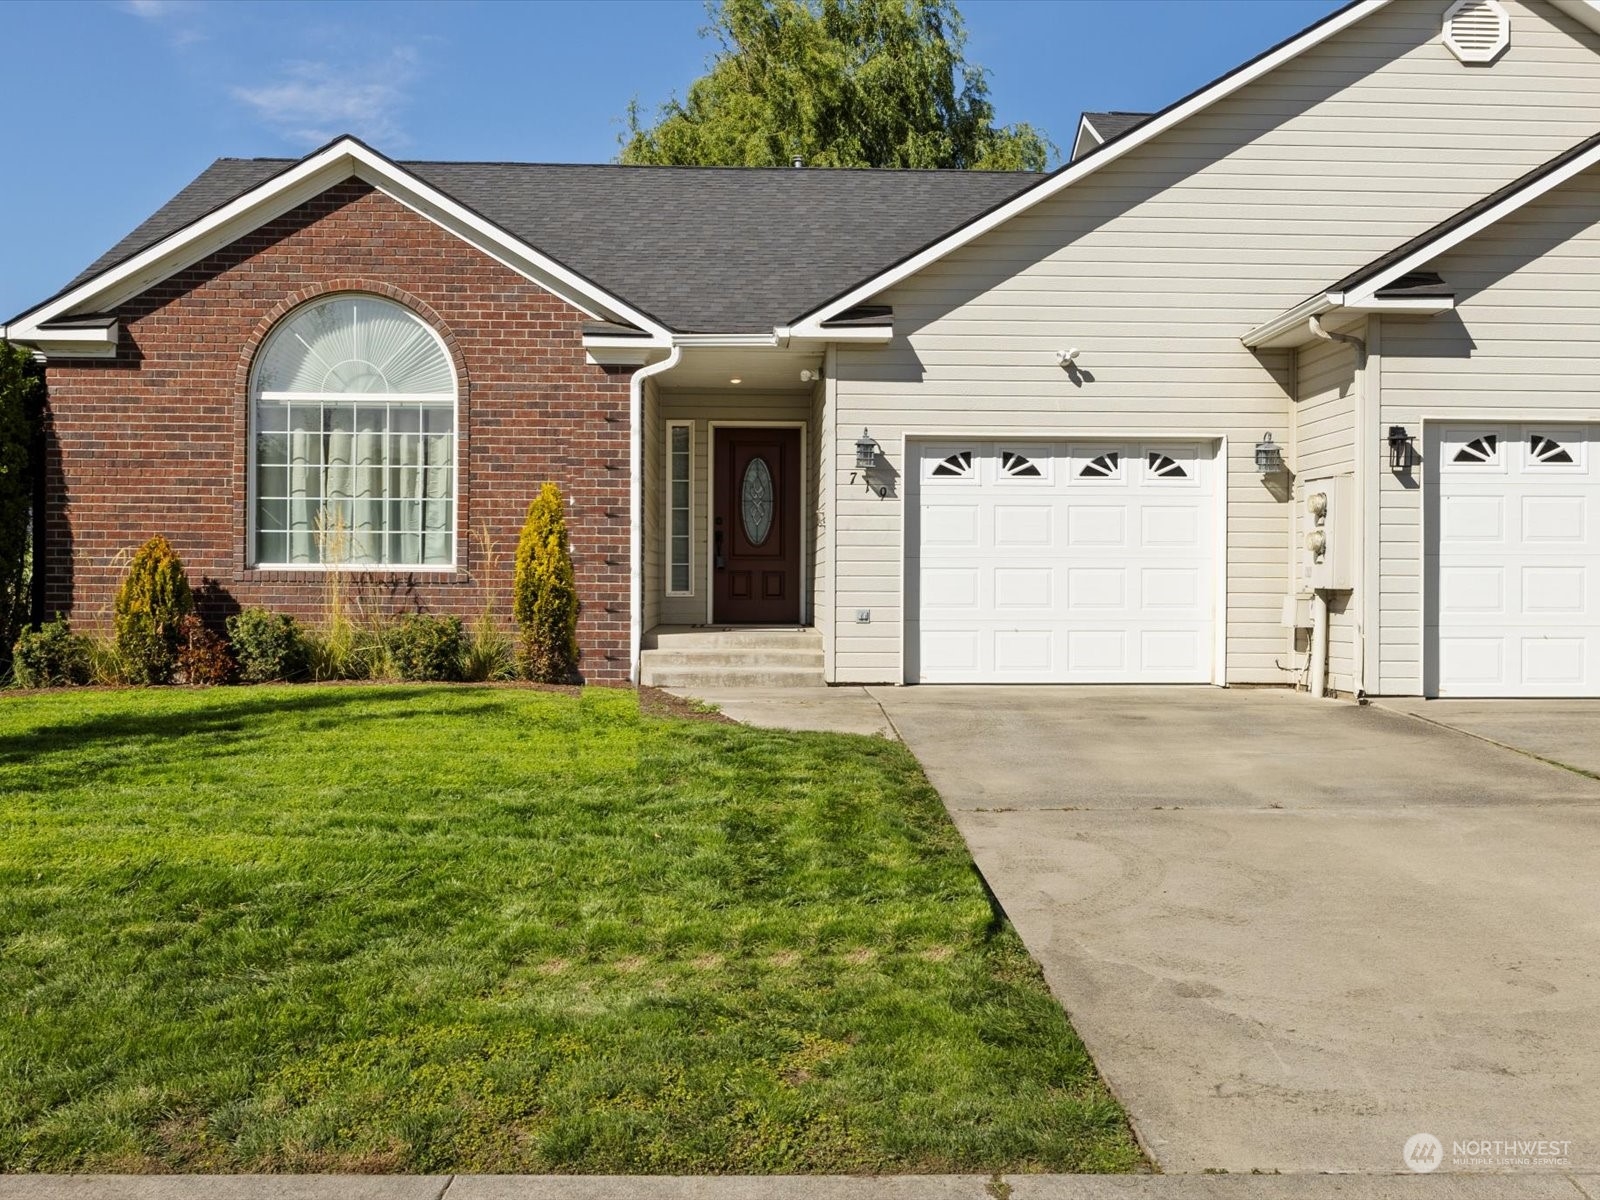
(738, 638)
(693, 679)
(734, 658)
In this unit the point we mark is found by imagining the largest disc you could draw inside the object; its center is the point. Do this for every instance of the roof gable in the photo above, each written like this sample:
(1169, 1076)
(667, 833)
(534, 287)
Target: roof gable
(809, 324)
(709, 250)
(284, 189)
(1396, 282)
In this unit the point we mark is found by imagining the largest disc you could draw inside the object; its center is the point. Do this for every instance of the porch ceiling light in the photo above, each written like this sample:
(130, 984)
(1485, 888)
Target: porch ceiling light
(866, 452)
(1269, 455)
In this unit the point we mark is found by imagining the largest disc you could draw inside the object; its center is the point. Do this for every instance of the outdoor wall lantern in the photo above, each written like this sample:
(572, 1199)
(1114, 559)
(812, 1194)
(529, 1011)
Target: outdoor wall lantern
(1269, 455)
(866, 452)
(1401, 447)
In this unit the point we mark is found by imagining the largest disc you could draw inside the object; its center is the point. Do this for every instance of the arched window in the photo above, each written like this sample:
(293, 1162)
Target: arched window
(354, 431)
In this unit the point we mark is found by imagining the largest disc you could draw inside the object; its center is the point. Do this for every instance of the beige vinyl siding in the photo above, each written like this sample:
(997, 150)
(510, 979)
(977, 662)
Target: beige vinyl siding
(1523, 344)
(725, 407)
(1156, 264)
(653, 555)
(1327, 387)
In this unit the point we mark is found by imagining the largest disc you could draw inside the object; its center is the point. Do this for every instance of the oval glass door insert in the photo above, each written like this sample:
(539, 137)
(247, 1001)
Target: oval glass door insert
(755, 501)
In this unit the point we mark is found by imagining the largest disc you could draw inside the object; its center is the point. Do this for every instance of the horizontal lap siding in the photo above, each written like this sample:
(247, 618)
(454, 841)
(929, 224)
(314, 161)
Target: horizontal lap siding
(1155, 265)
(726, 408)
(1324, 446)
(1523, 343)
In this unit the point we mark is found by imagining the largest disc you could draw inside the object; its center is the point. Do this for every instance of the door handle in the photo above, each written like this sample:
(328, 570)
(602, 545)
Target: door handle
(721, 560)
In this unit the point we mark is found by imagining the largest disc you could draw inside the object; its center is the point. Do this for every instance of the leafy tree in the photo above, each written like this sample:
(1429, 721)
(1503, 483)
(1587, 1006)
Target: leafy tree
(840, 83)
(21, 405)
(545, 593)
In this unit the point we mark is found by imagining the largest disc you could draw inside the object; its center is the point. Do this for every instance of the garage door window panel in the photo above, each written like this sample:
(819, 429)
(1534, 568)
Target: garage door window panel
(1097, 466)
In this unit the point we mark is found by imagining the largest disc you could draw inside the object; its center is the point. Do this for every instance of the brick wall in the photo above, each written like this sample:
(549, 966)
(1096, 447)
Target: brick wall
(154, 441)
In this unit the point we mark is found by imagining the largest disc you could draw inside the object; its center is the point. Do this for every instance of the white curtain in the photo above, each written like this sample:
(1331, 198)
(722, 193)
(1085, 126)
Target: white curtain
(367, 484)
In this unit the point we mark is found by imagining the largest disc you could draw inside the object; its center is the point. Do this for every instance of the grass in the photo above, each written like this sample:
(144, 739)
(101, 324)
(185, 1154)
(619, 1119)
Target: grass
(365, 928)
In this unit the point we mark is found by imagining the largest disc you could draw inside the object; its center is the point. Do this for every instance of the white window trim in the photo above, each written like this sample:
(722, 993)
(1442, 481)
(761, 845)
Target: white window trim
(666, 530)
(252, 395)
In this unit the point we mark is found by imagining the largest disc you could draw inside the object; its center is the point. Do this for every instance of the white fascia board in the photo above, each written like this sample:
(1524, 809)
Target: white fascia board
(725, 339)
(293, 187)
(1288, 328)
(809, 325)
(634, 355)
(1585, 11)
(1424, 254)
(1293, 327)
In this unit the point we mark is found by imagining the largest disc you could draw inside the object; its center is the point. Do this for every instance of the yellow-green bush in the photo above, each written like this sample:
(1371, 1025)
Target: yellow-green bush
(153, 599)
(545, 594)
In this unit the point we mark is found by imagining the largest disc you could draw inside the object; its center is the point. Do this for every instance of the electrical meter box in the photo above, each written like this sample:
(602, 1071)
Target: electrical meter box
(1327, 533)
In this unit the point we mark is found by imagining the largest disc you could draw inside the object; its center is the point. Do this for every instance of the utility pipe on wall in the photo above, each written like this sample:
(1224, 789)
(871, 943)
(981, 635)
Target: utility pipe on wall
(1319, 644)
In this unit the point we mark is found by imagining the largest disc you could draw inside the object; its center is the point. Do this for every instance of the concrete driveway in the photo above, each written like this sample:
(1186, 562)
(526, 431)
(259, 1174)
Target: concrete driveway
(1293, 933)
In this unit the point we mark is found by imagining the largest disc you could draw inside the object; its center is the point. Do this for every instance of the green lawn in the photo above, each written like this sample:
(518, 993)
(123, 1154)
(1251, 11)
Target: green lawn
(495, 929)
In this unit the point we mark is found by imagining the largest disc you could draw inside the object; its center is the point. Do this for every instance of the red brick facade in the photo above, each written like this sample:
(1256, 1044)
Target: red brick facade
(155, 440)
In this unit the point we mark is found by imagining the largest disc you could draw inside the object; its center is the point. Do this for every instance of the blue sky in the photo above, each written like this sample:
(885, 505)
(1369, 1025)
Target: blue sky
(116, 104)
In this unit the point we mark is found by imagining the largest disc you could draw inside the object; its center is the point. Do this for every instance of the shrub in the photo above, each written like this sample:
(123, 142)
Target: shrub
(51, 656)
(153, 599)
(270, 647)
(203, 658)
(545, 595)
(427, 649)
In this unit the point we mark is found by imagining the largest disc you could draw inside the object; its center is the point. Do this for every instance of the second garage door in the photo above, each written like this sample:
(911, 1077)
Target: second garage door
(1514, 561)
(1035, 562)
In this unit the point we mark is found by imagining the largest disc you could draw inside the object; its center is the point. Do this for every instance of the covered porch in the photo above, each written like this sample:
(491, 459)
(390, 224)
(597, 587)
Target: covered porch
(733, 532)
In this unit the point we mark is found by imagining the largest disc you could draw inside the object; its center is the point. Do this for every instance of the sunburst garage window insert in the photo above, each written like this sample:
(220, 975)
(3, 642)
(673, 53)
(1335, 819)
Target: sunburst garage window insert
(354, 430)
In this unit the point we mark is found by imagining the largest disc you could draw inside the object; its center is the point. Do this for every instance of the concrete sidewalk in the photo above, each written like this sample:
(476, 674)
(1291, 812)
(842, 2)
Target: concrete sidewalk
(802, 1187)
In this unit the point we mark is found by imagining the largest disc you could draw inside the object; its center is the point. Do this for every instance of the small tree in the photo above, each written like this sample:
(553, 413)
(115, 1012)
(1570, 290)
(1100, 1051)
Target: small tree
(21, 404)
(150, 604)
(545, 594)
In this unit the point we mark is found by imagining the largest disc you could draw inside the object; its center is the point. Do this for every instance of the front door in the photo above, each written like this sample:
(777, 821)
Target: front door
(756, 527)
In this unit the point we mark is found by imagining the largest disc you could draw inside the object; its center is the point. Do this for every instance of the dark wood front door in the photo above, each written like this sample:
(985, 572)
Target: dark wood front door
(756, 527)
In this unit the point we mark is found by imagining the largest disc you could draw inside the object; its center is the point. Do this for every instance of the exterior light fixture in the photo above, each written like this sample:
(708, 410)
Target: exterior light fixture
(1401, 446)
(1269, 455)
(866, 452)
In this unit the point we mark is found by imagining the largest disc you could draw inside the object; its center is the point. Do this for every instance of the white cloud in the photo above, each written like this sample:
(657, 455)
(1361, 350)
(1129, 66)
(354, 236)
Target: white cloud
(178, 17)
(314, 102)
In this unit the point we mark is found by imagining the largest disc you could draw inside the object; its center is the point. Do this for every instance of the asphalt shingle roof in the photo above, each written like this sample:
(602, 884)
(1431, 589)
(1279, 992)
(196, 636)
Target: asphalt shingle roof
(701, 249)
(1114, 124)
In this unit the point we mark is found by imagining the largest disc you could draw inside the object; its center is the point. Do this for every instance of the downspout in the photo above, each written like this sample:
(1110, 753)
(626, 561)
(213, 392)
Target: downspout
(636, 505)
(1318, 683)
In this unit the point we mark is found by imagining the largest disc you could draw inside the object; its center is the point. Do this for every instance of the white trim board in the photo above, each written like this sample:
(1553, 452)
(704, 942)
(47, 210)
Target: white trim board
(343, 159)
(810, 325)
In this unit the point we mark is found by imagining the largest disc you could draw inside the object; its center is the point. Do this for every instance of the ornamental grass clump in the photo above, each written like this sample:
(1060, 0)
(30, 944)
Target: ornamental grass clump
(545, 594)
(152, 601)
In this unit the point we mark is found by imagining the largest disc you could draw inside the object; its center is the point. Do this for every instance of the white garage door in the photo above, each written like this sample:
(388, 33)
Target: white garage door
(1514, 561)
(1031, 562)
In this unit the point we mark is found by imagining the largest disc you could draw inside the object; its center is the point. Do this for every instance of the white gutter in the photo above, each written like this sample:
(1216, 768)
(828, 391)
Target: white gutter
(636, 505)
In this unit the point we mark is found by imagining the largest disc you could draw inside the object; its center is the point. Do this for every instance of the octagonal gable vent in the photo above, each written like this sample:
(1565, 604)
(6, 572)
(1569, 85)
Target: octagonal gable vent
(1477, 31)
